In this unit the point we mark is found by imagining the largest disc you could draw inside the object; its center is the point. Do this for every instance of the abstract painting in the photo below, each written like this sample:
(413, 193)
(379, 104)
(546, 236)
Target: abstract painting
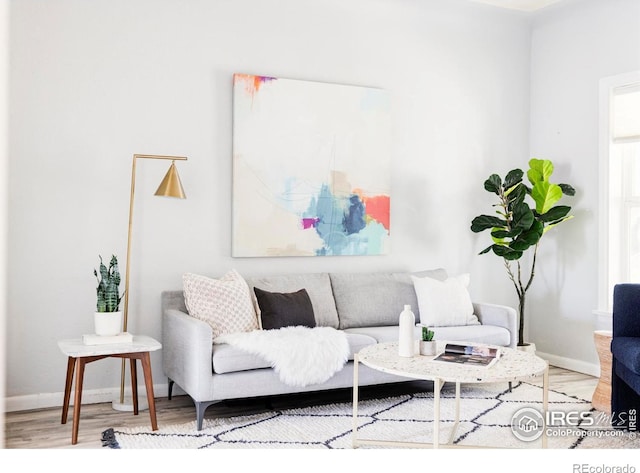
(311, 168)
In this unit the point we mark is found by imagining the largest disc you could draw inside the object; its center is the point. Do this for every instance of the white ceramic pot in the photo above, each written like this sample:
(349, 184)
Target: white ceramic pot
(427, 348)
(107, 323)
(528, 347)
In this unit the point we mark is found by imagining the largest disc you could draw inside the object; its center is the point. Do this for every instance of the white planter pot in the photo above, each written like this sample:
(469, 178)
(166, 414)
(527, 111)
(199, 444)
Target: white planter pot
(427, 348)
(528, 347)
(107, 323)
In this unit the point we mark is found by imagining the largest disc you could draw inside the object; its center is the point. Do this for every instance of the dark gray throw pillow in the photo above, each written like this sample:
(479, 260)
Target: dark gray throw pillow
(278, 309)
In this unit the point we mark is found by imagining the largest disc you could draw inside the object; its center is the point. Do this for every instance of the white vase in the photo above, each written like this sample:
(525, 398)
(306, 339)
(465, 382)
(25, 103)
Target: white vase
(427, 348)
(107, 323)
(406, 343)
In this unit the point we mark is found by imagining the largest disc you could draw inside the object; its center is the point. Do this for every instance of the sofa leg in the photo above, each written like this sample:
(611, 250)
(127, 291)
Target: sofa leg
(170, 388)
(510, 386)
(200, 408)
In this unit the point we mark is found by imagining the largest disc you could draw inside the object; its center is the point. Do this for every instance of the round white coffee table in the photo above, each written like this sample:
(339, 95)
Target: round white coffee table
(513, 365)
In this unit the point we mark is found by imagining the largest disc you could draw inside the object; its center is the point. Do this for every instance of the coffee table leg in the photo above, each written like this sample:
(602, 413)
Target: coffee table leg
(457, 419)
(545, 404)
(354, 436)
(437, 384)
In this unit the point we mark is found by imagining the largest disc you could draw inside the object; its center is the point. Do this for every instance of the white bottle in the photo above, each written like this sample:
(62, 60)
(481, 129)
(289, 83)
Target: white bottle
(406, 344)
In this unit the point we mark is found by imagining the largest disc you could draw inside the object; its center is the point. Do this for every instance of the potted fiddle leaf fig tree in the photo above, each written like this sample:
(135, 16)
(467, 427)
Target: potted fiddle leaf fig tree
(108, 317)
(523, 216)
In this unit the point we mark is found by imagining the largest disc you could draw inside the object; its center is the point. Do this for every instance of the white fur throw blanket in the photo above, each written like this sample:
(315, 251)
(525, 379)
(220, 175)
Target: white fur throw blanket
(300, 355)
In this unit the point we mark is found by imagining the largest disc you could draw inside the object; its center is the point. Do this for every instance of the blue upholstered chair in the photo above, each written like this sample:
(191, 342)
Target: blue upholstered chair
(625, 348)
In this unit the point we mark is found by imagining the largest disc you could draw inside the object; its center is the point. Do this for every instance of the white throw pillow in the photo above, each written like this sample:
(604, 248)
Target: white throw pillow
(225, 303)
(444, 303)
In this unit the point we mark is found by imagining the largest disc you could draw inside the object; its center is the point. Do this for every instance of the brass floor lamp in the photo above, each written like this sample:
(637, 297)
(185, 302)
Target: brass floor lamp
(171, 186)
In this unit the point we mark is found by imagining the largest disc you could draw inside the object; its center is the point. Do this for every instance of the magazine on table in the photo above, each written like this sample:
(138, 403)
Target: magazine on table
(469, 355)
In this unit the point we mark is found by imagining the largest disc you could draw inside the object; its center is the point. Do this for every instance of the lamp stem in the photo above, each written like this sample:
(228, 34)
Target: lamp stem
(126, 280)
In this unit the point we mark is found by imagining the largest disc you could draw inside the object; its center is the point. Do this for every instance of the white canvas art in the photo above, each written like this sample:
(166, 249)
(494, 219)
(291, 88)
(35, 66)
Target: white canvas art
(311, 168)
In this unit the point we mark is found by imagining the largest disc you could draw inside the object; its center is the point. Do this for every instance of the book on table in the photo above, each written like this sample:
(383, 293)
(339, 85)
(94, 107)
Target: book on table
(469, 355)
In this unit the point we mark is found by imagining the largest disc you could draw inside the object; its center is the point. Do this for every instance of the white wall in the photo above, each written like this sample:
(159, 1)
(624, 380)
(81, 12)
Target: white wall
(573, 47)
(94, 82)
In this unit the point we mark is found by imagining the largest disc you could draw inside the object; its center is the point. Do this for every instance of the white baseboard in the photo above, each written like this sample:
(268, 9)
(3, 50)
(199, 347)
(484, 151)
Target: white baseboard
(89, 396)
(592, 369)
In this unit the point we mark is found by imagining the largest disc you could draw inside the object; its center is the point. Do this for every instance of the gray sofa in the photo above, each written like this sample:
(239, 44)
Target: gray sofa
(366, 306)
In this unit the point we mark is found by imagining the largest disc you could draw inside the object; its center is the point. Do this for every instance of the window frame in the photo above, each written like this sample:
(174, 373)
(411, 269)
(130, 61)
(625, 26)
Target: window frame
(606, 94)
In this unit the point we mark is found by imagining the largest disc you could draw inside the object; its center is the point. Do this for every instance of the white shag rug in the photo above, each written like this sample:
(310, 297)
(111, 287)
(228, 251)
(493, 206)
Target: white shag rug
(300, 355)
(486, 413)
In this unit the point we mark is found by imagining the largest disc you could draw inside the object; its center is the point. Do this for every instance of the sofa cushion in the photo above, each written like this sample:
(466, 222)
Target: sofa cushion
(228, 359)
(278, 309)
(225, 303)
(444, 303)
(626, 350)
(317, 285)
(375, 299)
(489, 334)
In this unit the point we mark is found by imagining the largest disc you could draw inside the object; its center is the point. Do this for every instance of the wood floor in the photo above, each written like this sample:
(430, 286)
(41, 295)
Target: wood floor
(41, 429)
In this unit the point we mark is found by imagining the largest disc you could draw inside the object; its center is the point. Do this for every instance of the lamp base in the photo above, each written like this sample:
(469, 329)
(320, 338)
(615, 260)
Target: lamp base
(127, 404)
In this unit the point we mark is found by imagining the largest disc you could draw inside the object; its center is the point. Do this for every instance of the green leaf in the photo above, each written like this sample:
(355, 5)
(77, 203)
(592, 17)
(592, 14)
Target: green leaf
(486, 250)
(537, 229)
(553, 224)
(523, 218)
(539, 170)
(516, 194)
(520, 245)
(567, 189)
(545, 196)
(500, 234)
(528, 239)
(493, 184)
(556, 213)
(484, 222)
(512, 178)
(506, 252)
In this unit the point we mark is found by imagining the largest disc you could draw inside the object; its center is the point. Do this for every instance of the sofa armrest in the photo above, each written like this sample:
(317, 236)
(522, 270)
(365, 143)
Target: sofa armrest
(187, 350)
(500, 316)
(626, 307)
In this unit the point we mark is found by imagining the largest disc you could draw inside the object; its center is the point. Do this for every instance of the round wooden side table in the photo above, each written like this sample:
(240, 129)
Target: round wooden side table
(601, 399)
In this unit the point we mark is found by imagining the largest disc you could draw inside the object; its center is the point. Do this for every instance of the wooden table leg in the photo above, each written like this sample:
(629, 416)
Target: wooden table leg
(77, 401)
(148, 382)
(134, 385)
(71, 364)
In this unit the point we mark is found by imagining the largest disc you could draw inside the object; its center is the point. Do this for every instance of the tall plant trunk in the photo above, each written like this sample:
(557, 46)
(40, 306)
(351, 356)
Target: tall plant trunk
(521, 305)
(521, 290)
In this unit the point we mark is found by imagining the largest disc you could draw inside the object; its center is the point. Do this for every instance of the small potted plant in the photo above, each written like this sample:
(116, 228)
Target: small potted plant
(427, 343)
(108, 317)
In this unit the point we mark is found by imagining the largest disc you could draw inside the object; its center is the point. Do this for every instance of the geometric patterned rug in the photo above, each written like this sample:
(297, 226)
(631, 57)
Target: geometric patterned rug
(486, 419)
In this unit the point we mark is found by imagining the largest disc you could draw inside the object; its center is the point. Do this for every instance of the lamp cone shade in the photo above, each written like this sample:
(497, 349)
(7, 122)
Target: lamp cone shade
(171, 186)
